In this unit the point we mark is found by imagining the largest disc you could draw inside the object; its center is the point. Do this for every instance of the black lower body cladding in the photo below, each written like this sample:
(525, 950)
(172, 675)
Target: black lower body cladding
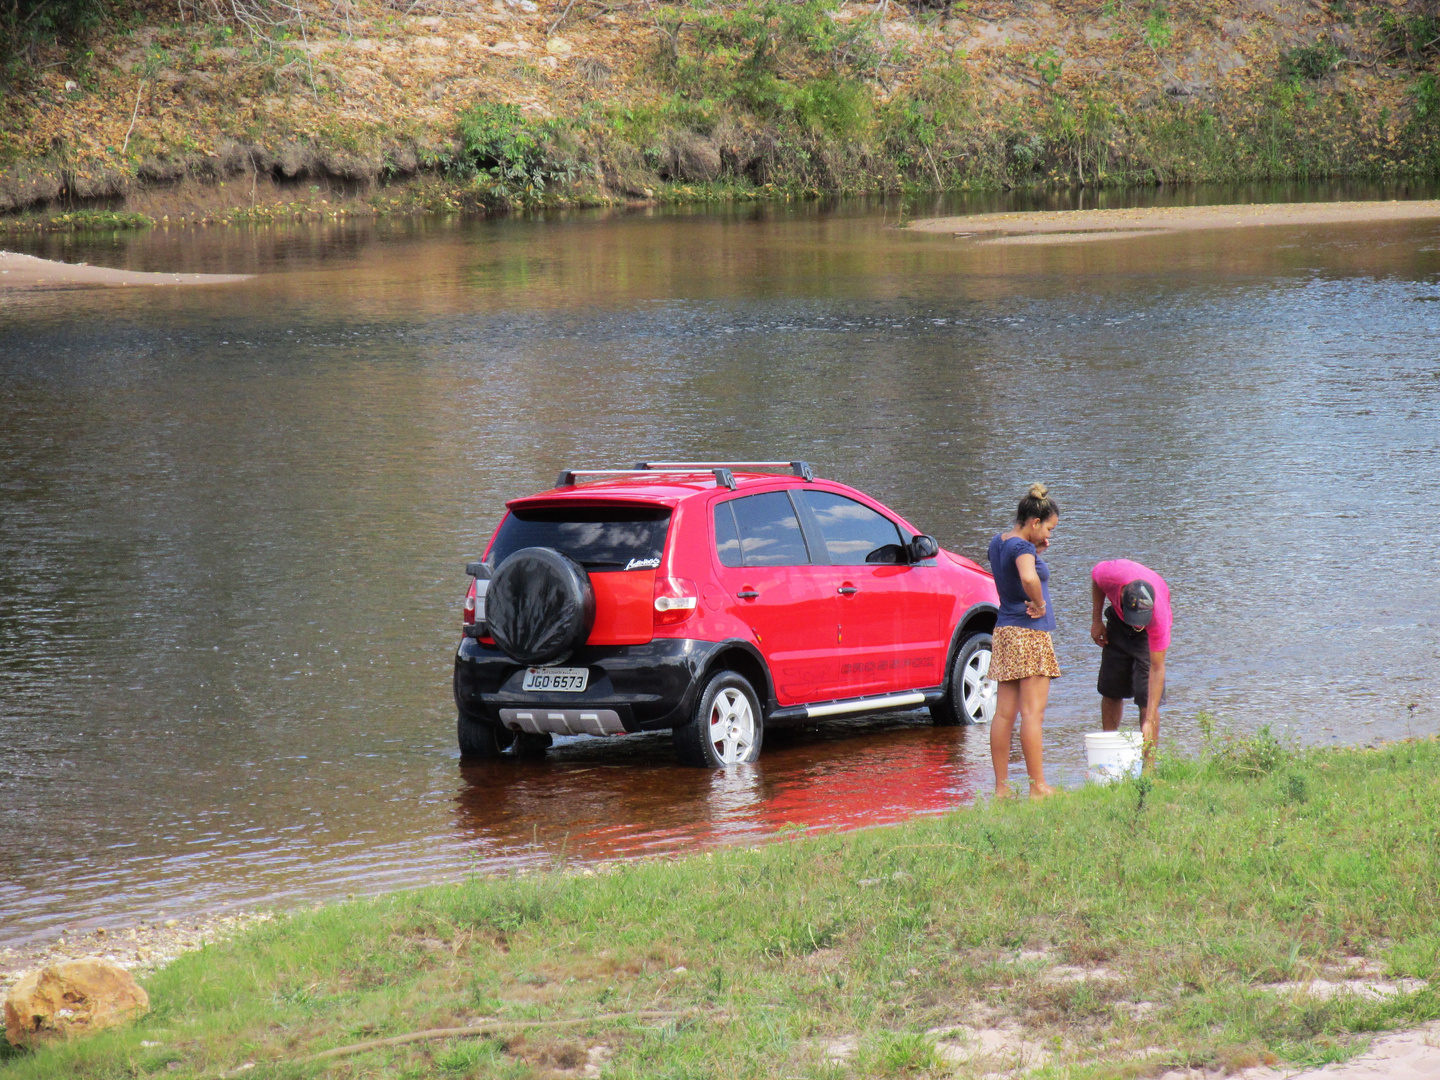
(648, 687)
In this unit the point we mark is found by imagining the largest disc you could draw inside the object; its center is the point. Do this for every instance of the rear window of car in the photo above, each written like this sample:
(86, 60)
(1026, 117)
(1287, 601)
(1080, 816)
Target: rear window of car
(597, 537)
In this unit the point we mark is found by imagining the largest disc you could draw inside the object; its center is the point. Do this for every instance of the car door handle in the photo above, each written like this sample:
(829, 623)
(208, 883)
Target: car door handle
(747, 594)
(847, 590)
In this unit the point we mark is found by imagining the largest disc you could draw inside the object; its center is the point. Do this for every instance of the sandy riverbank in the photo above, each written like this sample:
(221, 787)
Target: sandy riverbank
(143, 947)
(27, 272)
(1082, 226)
(954, 946)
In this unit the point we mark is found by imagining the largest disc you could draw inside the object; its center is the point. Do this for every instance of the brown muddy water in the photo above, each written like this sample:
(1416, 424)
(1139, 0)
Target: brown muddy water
(233, 520)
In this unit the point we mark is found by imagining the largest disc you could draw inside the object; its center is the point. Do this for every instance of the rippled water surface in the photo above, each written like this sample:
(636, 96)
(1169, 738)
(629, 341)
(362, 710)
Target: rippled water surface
(233, 520)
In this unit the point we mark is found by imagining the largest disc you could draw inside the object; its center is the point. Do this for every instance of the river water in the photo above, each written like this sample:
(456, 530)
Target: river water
(233, 520)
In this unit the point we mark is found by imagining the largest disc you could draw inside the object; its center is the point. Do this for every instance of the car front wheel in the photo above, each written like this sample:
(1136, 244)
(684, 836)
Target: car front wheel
(970, 692)
(726, 727)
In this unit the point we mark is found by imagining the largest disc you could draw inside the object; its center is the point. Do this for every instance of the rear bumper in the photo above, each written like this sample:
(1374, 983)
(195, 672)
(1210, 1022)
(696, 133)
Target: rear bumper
(631, 688)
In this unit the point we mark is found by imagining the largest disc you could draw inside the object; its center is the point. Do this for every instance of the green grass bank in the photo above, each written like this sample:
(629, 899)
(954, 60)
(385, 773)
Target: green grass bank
(1118, 931)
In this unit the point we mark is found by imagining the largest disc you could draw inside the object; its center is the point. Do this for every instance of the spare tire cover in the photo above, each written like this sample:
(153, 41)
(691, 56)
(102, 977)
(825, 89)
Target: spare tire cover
(540, 605)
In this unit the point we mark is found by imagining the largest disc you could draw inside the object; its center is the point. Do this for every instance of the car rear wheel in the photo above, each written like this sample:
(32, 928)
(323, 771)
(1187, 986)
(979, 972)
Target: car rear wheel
(480, 740)
(970, 692)
(529, 744)
(726, 728)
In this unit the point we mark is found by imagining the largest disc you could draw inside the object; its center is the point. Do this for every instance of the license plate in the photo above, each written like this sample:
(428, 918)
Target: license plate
(566, 680)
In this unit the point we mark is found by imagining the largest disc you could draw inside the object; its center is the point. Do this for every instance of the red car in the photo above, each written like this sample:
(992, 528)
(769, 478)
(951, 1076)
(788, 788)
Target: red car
(716, 600)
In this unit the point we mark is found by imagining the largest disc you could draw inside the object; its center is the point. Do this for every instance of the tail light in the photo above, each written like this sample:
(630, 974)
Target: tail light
(675, 600)
(475, 602)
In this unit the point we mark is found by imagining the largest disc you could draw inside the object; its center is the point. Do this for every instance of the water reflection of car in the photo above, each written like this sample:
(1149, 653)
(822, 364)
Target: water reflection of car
(714, 600)
(518, 814)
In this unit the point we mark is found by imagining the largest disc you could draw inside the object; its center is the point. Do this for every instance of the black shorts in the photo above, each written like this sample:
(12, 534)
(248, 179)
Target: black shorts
(1125, 662)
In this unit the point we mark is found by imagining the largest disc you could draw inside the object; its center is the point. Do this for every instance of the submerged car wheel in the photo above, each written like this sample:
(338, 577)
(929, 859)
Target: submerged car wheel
(480, 740)
(531, 745)
(726, 728)
(970, 693)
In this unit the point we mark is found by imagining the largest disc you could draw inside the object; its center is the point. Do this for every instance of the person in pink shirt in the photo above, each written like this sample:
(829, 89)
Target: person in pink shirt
(1133, 636)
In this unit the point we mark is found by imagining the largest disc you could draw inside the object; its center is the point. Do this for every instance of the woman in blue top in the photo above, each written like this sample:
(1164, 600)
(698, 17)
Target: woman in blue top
(1022, 659)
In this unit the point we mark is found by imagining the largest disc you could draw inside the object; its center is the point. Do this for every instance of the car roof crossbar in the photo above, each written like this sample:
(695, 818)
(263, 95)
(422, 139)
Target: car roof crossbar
(795, 468)
(570, 477)
(724, 471)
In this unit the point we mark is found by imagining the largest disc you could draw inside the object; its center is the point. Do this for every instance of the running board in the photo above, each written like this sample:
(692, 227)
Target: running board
(889, 701)
(909, 699)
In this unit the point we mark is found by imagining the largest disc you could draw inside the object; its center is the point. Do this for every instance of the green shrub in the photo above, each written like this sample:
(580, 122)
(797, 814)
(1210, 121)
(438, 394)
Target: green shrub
(771, 58)
(834, 106)
(1427, 97)
(512, 157)
(496, 137)
(28, 24)
(1048, 66)
(928, 128)
(1233, 754)
(1297, 789)
(1157, 30)
(1414, 34)
(902, 1053)
(1027, 152)
(1310, 61)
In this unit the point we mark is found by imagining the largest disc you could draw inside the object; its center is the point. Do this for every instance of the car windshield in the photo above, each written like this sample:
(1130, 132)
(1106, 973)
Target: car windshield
(597, 537)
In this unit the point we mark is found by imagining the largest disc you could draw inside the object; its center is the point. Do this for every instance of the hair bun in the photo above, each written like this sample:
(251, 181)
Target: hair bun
(1038, 491)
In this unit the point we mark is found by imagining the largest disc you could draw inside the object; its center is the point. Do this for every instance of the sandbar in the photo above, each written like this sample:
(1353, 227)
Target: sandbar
(26, 271)
(1086, 226)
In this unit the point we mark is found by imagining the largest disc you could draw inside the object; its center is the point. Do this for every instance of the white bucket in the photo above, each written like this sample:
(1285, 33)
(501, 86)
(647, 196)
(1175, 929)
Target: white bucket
(1113, 755)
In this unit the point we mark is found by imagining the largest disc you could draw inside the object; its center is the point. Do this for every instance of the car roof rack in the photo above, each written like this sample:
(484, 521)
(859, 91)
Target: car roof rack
(724, 471)
(795, 468)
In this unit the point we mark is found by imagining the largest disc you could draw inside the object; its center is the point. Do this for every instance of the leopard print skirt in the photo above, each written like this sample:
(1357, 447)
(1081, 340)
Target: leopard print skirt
(1019, 652)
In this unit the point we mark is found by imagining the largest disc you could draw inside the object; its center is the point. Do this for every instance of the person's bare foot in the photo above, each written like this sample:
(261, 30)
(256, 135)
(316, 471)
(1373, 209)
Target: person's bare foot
(1004, 791)
(1041, 790)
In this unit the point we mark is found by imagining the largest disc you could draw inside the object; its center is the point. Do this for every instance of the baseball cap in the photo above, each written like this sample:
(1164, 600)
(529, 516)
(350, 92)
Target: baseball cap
(1137, 603)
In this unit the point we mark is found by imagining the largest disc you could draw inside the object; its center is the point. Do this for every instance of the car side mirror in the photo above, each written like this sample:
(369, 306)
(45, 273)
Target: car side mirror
(922, 547)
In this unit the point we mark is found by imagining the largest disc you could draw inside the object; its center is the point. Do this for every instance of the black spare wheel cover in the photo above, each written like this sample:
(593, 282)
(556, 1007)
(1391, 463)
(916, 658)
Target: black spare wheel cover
(540, 605)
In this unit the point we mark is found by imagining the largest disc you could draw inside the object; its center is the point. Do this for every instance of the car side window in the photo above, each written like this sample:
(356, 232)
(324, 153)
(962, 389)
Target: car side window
(767, 529)
(727, 536)
(854, 534)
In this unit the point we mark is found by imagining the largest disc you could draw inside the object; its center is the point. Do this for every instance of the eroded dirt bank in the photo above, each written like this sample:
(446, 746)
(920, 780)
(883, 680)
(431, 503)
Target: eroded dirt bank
(323, 105)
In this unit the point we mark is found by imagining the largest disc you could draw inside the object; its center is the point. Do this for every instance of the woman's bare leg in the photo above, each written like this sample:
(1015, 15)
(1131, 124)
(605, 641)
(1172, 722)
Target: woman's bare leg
(1002, 729)
(1034, 696)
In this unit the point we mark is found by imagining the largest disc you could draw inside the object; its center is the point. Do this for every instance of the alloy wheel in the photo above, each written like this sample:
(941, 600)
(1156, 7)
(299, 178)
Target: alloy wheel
(732, 726)
(978, 690)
